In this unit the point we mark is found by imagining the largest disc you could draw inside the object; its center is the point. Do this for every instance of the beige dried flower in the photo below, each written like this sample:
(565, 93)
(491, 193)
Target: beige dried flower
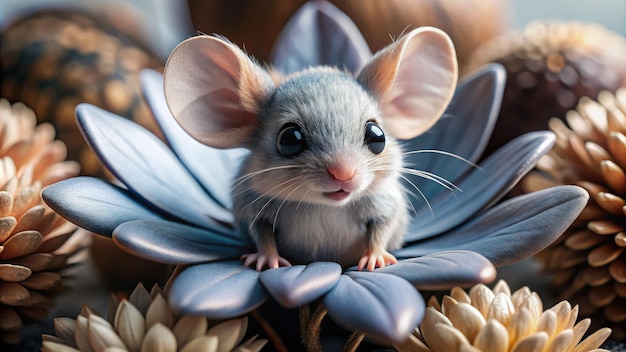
(35, 243)
(498, 320)
(549, 66)
(589, 260)
(144, 322)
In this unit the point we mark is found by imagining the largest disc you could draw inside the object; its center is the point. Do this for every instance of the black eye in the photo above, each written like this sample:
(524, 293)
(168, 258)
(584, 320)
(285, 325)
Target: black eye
(290, 141)
(374, 138)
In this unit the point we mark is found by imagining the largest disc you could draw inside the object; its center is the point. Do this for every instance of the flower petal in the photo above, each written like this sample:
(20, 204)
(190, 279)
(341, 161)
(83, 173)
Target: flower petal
(147, 167)
(514, 229)
(320, 34)
(175, 243)
(463, 130)
(95, 205)
(298, 285)
(224, 163)
(375, 303)
(218, 290)
(482, 187)
(443, 270)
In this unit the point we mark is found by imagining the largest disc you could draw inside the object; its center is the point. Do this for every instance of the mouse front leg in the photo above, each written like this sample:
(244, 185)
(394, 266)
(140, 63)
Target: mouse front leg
(376, 254)
(267, 252)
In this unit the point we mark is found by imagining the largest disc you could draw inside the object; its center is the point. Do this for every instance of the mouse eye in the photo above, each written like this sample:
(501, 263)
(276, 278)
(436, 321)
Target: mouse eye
(290, 141)
(374, 138)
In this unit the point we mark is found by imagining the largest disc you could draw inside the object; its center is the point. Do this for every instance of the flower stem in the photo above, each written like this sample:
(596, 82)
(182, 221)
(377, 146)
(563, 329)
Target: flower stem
(310, 326)
(270, 332)
(353, 342)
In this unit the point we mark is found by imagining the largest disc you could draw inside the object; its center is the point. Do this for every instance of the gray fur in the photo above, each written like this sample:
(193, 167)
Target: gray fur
(287, 204)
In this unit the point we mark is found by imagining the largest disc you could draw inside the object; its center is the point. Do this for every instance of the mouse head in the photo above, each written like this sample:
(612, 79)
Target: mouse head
(319, 135)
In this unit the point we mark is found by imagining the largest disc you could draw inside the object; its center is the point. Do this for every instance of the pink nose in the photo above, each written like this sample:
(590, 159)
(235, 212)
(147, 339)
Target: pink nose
(342, 172)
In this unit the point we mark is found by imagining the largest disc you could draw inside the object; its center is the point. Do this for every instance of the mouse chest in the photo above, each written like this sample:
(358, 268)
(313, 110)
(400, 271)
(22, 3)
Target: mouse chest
(313, 233)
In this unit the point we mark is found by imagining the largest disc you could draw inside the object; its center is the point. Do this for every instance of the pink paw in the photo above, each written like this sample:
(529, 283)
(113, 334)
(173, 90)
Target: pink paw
(262, 260)
(373, 258)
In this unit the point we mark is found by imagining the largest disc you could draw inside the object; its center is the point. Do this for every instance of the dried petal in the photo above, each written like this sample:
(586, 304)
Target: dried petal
(101, 334)
(481, 297)
(140, 298)
(229, 333)
(190, 327)
(13, 294)
(14, 273)
(532, 343)
(600, 256)
(501, 308)
(20, 244)
(467, 319)
(159, 339)
(7, 224)
(159, 312)
(594, 340)
(43, 281)
(64, 328)
(202, 344)
(9, 319)
(130, 325)
(493, 337)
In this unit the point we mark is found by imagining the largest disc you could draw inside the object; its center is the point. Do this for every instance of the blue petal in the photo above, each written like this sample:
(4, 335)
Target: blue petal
(219, 290)
(175, 243)
(482, 187)
(375, 303)
(463, 130)
(443, 270)
(301, 284)
(320, 34)
(94, 204)
(217, 177)
(513, 230)
(148, 168)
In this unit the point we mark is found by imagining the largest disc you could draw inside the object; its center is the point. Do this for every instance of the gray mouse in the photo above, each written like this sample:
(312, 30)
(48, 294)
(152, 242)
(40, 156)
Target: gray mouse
(322, 181)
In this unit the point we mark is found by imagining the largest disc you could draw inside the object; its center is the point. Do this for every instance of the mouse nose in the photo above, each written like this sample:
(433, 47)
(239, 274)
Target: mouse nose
(342, 172)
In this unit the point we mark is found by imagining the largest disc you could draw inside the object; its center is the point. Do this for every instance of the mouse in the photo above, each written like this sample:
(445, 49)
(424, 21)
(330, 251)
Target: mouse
(323, 179)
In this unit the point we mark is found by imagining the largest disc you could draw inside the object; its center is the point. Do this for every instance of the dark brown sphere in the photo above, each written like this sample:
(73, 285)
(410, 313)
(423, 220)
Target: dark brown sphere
(550, 66)
(55, 59)
(256, 24)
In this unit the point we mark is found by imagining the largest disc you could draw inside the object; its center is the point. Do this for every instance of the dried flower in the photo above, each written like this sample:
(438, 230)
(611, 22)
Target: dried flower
(498, 320)
(589, 260)
(550, 65)
(35, 243)
(144, 322)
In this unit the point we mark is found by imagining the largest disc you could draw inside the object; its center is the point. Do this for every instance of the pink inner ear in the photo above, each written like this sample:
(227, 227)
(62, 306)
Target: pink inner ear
(213, 90)
(414, 79)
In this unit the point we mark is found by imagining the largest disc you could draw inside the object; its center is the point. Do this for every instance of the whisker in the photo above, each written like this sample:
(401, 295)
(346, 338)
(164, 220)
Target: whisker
(281, 205)
(293, 179)
(247, 176)
(309, 189)
(421, 193)
(266, 204)
(433, 177)
(443, 153)
(409, 201)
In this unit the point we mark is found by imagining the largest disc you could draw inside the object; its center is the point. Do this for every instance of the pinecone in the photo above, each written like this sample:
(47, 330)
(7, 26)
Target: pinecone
(550, 66)
(144, 322)
(35, 243)
(53, 60)
(589, 260)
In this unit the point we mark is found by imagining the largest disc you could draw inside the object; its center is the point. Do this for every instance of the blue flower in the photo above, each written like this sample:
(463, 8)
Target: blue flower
(172, 203)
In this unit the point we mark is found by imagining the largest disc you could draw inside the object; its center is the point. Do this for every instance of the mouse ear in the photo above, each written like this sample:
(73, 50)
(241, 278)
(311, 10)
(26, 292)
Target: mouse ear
(414, 80)
(214, 91)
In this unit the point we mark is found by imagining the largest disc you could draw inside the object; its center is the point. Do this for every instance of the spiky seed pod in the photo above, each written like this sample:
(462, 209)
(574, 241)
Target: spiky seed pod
(549, 67)
(144, 322)
(53, 60)
(498, 320)
(589, 260)
(35, 243)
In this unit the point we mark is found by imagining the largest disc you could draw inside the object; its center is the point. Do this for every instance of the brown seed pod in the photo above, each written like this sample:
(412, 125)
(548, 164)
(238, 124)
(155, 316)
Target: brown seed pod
(55, 59)
(549, 66)
(588, 261)
(35, 243)
(256, 24)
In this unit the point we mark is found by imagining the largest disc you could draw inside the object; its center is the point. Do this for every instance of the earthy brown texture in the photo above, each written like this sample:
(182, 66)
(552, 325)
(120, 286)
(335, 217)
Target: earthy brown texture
(35, 243)
(56, 59)
(589, 260)
(255, 25)
(549, 66)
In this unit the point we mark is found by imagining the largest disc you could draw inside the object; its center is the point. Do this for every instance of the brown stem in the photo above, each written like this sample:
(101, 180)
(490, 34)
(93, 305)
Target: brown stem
(353, 342)
(270, 332)
(311, 326)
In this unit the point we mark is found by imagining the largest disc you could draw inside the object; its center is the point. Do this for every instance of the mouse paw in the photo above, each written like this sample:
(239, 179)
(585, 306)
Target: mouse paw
(262, 260)
(373, 258)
